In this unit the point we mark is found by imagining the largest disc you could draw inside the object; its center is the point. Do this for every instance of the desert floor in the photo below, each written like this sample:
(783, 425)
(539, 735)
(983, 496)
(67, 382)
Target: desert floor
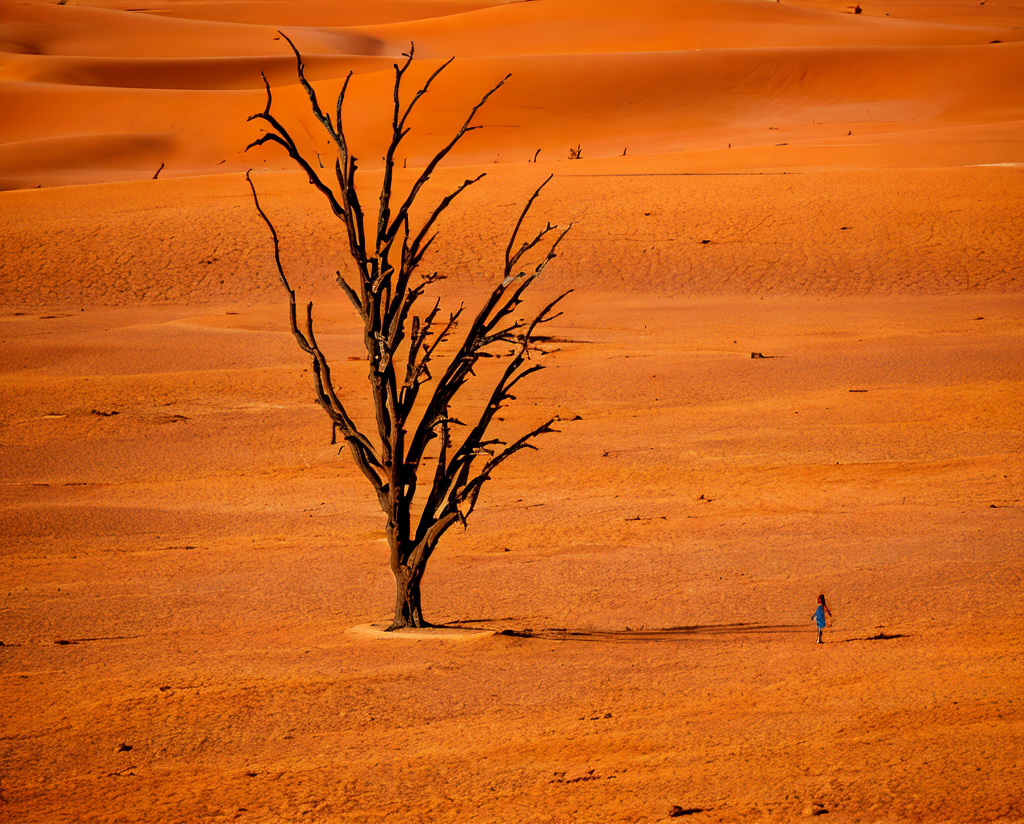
(185, 559)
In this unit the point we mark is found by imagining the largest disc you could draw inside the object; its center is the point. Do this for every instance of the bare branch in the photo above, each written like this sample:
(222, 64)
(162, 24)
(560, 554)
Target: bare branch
(509, 260)
(423, 90)
(350, 293)
(499, 305)
(457, 481)
(283, 138)
(300, 69)
(325, 394)
(385, 236)
(418, 371)
(417, 248)
(345, 166)
(471, 491)
(397, 133)
(441, 155)
(512, 374)
(412, 255)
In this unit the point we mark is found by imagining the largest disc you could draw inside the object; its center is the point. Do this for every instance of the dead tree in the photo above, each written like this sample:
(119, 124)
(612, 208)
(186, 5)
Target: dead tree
(413, 406)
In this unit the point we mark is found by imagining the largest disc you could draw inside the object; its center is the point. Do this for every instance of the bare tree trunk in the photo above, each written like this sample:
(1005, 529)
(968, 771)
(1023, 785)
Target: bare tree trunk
(408, 608)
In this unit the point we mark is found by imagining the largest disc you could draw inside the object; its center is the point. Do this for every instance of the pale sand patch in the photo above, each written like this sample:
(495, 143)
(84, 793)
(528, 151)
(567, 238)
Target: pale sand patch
(380, 630)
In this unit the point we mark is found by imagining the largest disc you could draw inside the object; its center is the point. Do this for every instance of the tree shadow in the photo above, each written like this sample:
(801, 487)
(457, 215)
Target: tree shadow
(629, 634)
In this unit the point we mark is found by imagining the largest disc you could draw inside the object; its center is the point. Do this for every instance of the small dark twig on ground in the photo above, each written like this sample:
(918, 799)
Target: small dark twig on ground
(677, 811)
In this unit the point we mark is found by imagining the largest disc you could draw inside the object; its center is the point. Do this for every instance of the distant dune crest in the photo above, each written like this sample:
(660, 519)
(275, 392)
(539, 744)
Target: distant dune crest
(109, 90)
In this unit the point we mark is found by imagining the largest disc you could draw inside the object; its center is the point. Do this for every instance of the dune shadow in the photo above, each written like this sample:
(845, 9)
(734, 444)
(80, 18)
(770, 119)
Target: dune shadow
(629, 634)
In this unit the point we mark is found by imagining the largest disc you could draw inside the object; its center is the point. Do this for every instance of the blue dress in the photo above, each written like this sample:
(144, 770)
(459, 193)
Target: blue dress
(819, 616)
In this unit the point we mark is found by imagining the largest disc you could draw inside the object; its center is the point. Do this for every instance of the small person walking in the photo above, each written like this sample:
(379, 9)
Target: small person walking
(822, 616)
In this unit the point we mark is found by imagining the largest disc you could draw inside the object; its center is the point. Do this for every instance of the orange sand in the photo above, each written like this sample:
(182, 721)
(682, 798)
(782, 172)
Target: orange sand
(98, 94)
(184, 553)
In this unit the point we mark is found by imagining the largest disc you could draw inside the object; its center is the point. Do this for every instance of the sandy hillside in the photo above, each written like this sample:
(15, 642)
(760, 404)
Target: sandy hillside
(99, 94)
(184, 556)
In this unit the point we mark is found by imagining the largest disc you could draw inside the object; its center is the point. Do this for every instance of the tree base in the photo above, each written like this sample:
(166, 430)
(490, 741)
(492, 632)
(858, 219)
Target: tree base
(421, 624)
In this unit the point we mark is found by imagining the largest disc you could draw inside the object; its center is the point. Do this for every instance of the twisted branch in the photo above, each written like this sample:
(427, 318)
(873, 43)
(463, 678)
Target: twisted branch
(366, 456)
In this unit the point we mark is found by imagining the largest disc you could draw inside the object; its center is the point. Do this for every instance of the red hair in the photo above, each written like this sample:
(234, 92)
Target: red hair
(821, 600)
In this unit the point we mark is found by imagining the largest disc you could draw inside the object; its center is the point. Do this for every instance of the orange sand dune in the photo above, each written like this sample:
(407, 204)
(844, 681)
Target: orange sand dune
(960, 12)
(99, 154)
(46, 28)
(655, 76)
(641, 103)
(608, 26)
(208, 73)
(301, 12)
(655, 102)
